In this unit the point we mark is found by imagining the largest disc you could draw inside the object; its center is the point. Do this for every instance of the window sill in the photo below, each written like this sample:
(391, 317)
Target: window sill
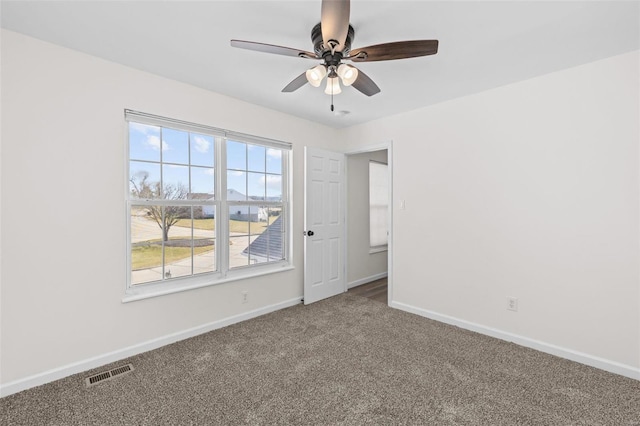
(147, 291)
(379, 249)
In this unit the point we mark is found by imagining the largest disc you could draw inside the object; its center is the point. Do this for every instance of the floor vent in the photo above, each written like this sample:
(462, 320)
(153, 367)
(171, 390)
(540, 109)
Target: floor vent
(108, 375)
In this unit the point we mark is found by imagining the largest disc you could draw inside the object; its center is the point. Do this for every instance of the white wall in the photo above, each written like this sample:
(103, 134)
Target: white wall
(531, 191)
(63, 217)
(362, 266)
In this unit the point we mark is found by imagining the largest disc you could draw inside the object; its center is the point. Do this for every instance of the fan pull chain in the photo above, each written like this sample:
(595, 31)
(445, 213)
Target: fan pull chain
(332, 98)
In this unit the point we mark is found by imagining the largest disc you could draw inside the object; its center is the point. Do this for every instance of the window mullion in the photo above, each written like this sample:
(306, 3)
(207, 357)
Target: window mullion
(189, 160)
(223, 209)
(161, 173)
(193, 259)
(165, 202)
(162, 211)
(246, 171)
(286, 195)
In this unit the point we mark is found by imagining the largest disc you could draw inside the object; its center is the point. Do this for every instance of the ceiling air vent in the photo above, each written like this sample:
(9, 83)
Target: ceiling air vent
(108, 375)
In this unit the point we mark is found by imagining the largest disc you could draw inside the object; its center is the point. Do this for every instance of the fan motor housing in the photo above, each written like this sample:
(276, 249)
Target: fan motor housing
(318, 44)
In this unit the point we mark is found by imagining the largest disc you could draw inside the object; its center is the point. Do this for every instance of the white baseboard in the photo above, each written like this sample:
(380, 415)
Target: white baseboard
(97, 361)
(365, 280)
(583, 358)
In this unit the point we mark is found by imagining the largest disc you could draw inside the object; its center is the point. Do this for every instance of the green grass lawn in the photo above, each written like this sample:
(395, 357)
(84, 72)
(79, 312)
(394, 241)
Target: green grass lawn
(206, 224)
(241, 226)
(145, 257)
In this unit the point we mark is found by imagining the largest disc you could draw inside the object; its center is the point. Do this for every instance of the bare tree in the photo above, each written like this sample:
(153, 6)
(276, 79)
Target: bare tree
(142, 188)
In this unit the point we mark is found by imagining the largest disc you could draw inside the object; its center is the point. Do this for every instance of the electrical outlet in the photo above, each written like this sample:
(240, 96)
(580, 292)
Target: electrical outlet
(245, 296)
(512, 304)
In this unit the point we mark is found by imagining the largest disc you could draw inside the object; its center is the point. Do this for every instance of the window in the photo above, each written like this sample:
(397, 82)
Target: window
(203, 204)
(378, 205)
(254, 199)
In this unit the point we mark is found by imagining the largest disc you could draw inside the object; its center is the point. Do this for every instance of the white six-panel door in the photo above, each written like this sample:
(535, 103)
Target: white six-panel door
(324, 224)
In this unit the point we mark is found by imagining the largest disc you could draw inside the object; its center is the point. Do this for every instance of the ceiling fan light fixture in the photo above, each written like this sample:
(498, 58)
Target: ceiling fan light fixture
(347, 73)
(332, 38)
(333, 86)
(316, 74)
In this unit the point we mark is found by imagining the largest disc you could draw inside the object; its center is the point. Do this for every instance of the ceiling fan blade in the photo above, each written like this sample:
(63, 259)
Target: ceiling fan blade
(297, 83)
(334, 21)
(395, 50)
(271, 48)
(365, 85)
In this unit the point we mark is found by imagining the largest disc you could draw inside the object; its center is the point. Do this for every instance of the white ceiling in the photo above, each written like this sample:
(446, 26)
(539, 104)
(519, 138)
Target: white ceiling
(482, 45)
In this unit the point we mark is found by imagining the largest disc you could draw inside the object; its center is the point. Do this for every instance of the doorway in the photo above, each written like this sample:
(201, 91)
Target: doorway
(339, 256)
(368, 257)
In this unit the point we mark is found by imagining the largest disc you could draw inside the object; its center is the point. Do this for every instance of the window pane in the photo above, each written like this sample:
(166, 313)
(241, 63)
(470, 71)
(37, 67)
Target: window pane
(236, 155)
(144, 180)
(241, 215)
(275, 232)
(274, 187)
(202, 183)
(237, 245)
(175, 146)
(256, 186)
(175, 182)
(256, 156)
(267, 245)
(236, 186)
(178, 245)
(259, 216)
(204, 224)
(202, 151)
(176, 222)
(146, 244)
(274, 161)
(187, 246)
(246, 223)
(144, 142)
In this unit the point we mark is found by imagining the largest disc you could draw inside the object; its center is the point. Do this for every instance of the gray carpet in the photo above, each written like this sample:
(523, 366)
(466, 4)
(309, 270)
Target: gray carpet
(347, 360)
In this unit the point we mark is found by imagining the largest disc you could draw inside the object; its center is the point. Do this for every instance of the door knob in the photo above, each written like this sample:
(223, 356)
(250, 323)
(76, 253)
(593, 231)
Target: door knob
(308, 233)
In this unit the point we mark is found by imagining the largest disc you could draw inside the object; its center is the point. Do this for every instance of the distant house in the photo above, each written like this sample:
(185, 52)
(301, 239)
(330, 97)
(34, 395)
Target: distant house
(202, 212)
(209, 211)
(243, 213)
(268, 246)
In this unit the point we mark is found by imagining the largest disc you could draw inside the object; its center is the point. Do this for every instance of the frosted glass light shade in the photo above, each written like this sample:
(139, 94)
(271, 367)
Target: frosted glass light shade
(348, 74)
(315, 75)
(333, 86)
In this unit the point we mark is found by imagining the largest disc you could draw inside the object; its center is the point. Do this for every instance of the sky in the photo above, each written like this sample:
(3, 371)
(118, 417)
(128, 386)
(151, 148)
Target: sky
(181, 157)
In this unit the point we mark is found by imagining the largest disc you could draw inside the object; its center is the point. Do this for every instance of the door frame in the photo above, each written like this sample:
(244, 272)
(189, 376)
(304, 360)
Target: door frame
(388, 146)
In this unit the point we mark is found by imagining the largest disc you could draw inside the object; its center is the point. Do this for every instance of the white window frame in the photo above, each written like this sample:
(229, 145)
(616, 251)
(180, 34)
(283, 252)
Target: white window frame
(223, 272)
(376, 248)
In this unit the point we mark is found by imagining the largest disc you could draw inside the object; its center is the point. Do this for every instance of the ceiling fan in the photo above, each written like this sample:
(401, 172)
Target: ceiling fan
(332, 39)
